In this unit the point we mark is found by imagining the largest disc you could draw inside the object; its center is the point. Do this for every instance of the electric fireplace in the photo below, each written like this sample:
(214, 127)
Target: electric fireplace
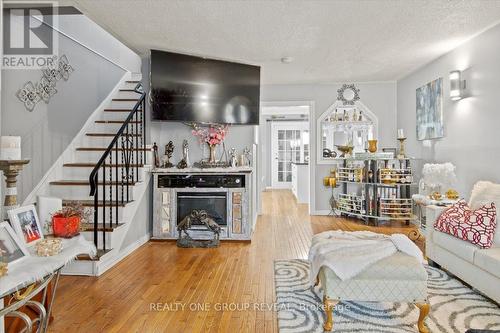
(214, 203)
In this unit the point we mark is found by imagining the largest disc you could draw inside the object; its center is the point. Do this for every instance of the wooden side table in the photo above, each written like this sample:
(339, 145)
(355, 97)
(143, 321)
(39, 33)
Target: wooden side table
(11, 169)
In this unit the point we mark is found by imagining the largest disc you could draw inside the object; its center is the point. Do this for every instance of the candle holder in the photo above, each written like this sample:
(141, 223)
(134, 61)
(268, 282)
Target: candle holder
(11, 169)
(402, 153)
(372, 146)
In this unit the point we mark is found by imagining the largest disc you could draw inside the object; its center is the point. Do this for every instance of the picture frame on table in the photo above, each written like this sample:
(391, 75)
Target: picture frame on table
(11, 247)
(25, 222)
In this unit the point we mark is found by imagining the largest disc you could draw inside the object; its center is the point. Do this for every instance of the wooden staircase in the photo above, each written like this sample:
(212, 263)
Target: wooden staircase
(116, 190)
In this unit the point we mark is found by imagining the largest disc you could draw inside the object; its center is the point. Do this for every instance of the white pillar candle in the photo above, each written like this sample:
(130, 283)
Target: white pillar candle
(10, 148)
(401, 133)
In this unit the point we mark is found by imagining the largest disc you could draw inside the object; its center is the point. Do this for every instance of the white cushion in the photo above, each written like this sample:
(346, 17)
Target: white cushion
(484, 193)
(489, 260)
(458, 247)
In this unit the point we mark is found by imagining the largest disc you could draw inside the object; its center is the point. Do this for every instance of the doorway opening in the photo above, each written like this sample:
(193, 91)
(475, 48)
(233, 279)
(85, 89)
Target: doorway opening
(285, 149)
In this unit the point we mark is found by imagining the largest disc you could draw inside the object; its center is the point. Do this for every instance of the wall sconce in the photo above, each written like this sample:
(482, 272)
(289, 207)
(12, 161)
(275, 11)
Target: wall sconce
(457, 85)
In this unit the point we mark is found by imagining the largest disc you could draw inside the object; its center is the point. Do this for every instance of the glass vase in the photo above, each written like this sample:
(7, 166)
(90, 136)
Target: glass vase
(213, 149)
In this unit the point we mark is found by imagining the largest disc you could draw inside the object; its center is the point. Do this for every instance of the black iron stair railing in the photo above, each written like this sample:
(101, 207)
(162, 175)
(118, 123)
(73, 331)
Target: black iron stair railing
(128, 148)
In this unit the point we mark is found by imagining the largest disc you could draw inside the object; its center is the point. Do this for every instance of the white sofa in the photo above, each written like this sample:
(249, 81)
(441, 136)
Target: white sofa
(478, 267)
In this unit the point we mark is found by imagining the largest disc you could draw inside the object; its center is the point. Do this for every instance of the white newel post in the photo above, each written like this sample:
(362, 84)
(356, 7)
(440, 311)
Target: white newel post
(2, 329)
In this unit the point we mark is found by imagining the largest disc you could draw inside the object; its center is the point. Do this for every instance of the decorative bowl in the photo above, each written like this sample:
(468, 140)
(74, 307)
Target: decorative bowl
(345, 150)
(436, 196)
(48, 247)
(452, 194)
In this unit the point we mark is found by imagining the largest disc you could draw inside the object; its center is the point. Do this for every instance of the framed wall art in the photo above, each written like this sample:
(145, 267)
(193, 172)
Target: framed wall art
(430, 124)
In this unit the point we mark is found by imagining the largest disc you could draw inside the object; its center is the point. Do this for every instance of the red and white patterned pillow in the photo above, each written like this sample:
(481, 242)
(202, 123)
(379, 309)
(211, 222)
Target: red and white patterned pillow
(475, 226)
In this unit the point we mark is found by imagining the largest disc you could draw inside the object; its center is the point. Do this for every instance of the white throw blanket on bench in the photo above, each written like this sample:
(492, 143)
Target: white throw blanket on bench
(349, 253)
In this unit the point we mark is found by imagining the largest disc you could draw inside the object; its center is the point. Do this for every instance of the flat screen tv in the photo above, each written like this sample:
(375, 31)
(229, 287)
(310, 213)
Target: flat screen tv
(193, 89)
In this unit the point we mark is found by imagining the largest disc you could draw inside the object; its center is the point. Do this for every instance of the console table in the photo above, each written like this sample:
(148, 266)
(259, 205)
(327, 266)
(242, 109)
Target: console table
(35, 274)
(225, 192)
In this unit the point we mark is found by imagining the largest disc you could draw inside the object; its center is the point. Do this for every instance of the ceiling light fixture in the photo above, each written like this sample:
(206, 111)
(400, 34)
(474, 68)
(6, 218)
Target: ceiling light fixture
(286, 60)
(457, 85)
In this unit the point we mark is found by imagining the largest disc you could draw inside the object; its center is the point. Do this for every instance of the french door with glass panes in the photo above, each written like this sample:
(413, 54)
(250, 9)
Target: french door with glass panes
(290, 143)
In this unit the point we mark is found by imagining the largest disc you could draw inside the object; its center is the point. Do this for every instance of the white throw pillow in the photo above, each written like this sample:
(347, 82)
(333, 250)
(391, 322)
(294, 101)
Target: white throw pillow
(484, 193)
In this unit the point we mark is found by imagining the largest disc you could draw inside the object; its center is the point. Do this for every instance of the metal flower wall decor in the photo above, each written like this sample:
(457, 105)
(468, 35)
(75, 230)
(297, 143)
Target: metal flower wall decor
(30, 94)
(348, 94)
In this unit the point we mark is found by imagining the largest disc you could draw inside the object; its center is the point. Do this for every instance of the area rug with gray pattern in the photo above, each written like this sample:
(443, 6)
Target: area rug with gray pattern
(454, 306)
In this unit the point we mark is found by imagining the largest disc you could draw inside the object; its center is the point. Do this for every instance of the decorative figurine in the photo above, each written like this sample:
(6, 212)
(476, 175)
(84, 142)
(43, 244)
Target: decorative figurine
(247, 157)
(185, 152)
(198, 217)
(156, 161)
(184, 163)
(233, 162)
(169, 150)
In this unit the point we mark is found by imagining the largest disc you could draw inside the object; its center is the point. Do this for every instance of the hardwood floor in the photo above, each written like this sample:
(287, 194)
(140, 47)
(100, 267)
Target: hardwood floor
(162, 288)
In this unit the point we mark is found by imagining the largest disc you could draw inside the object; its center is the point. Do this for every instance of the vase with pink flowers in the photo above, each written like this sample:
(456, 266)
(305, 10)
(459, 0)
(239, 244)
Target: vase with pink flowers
(212, 135)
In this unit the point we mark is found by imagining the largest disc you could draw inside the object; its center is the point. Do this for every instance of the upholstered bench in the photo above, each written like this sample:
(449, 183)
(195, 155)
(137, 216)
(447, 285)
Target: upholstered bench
(398, 278)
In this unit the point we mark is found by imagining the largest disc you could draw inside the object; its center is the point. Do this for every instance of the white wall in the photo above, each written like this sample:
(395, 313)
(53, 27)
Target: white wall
(472, 125)
(378, 97)
(88, 33)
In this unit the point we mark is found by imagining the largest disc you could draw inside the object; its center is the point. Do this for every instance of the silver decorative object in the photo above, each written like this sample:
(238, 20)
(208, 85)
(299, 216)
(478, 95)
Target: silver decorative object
(52, 72)
(184, 163)
(46, 89)
(31, 93)
(233, 162)
(28, 95)
(247, 156)
(65, 69)
(348, 94)
(185, 151)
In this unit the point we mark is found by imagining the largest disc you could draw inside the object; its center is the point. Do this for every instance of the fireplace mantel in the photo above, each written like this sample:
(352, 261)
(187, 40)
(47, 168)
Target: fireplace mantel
(203, 170)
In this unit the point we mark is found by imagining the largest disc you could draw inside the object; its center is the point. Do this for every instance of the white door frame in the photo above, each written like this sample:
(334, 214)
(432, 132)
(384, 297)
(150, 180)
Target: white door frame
(275, 127)
(312, 149)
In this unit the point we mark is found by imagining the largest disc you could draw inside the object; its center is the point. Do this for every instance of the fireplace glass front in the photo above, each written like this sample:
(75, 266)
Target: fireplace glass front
(214, 203)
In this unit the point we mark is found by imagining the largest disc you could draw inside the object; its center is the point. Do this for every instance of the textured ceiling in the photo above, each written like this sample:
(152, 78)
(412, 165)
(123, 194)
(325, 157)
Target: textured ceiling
(330, 41)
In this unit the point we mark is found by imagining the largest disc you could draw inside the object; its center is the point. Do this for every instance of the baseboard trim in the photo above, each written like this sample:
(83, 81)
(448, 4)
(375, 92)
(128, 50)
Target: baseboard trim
(106, 265)
(321, 212)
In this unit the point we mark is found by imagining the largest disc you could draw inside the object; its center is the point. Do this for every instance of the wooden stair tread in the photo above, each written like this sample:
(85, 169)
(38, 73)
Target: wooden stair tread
(110, 134)
(104, 149)
(125, 99)
(132, 81)
(86, 257)
(127, 90)
(90, 203)
(91, 165)
(78, 182)
(116, 122)
(90, 227)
